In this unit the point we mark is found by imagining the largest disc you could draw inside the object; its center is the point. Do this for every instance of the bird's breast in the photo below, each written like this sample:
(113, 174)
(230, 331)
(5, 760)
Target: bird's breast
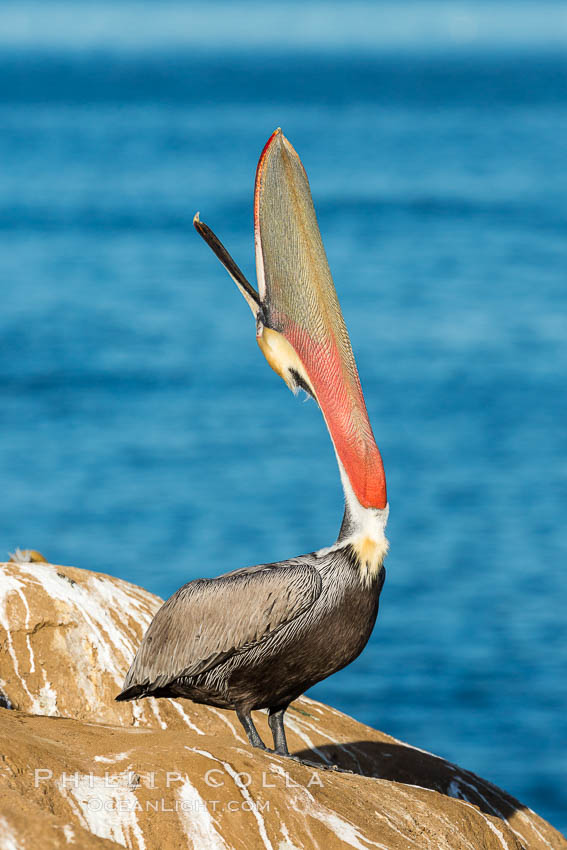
(348, 607)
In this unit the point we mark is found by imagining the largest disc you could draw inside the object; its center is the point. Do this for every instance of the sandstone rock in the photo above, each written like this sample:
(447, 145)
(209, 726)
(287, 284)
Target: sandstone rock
(67, 637)
(78, 769)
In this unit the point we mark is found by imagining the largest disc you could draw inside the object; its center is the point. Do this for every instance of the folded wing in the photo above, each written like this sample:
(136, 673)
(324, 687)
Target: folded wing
(209, 620)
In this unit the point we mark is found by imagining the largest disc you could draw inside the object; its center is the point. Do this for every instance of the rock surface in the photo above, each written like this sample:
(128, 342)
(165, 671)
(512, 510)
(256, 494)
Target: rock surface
(78, 769)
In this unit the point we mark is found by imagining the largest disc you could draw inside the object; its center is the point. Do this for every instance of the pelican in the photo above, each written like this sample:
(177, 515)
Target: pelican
(258, 637)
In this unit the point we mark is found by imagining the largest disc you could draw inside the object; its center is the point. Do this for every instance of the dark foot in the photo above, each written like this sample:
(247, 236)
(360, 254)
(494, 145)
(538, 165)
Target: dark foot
(321, 765)
(275, 719)
(248, 724)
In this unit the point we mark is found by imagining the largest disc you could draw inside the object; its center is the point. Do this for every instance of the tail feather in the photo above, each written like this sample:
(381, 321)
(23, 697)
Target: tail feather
(133, 692)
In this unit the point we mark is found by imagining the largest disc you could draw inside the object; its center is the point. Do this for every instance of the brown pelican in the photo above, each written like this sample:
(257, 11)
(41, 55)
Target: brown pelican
(260, 636)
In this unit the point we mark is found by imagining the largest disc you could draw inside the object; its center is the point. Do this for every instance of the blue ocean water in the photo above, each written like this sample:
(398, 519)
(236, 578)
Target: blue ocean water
(143, 434)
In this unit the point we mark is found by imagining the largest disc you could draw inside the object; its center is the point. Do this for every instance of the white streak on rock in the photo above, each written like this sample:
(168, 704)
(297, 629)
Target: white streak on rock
(47, 699)
(293, 725)
(113, 759)
(103, 604)
(316, 706)
(494, 829)
(10, 584)
(186, 717)
(243, 791)
(108, 811)
(460, 780)
(137, 713)
(27, 607)
(301, 721)
(343, 829)
(196, 820)
(455, 789)
(393, 827)
(104, 632)
(77, 811)
(8, 840)
(530, 822)
(69, 833)
(519, 813)
(304, 801)
(327, 708)
(154, 707)
(287, 843)
(230, 725)
(448, 827)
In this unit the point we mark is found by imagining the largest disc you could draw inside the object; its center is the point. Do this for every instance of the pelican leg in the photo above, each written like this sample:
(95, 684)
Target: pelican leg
(246, 719)
(275, 719)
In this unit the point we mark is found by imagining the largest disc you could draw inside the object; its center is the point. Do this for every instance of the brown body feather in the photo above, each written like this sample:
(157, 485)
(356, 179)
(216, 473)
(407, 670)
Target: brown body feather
(260, 636)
